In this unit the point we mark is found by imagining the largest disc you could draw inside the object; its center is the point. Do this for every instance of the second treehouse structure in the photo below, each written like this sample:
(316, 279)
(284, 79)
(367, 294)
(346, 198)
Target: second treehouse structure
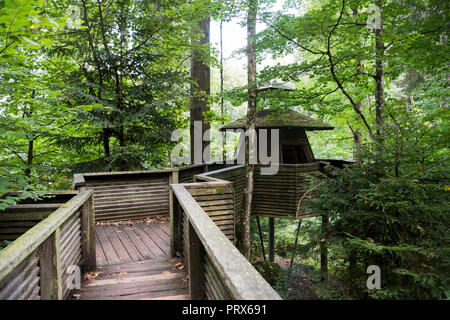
(278, 195)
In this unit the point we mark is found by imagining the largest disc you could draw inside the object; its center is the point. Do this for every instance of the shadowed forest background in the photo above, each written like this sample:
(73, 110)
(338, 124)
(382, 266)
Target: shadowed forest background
(98, 85)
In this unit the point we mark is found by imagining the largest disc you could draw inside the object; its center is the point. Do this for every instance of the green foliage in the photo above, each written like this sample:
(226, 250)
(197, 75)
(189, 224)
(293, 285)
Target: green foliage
(123, 81)
(333, 53)
(4, 244)
(270, 271)
(391, 210)
(106, 95)
(102, 92)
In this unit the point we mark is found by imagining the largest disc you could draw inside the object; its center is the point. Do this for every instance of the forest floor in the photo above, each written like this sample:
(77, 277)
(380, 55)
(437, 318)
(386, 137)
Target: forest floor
(297, 284)
(303, 282)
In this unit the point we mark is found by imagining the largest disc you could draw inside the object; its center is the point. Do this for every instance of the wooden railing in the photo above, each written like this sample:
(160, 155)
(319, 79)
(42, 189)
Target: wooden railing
(217, 270)
(17, 219)
(134, 194)
(273, 195)
(278, 195)
(42, 263)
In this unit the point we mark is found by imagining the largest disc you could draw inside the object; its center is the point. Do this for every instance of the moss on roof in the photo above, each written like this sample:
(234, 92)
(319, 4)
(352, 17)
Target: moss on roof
(274, 119)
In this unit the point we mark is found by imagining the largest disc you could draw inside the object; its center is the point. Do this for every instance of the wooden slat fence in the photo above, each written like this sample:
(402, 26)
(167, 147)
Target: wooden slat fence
(135, 194)
(36, 264)
(233, 174)
(273, 195)
(217, 270)
(18, 219)
(128, 195)
(278, 195)
(217, 200)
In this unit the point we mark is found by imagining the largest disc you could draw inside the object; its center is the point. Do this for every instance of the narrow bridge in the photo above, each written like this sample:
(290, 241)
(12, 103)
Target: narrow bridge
(161, 234)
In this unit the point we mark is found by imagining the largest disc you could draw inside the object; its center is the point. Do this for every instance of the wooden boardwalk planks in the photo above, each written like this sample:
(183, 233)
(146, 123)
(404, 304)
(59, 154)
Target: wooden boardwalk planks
(134, 263)
(142, 280)
(119, 243)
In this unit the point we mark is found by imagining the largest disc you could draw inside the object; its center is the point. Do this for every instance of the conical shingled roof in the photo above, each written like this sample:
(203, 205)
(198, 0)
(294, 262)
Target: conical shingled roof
(268, 118)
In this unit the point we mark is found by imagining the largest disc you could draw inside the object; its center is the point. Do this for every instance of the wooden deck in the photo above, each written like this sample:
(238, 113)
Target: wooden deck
(124, 242)
(134, 263)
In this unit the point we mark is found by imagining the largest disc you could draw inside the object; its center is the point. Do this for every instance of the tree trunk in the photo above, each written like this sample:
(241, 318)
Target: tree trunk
(357, 142)
(30, 157)
(200, 91)
(271, 239)
(222, 109)
(106, 149)
(357, 133)
(324, 249)
(379, 76)
(251, 119)
(30, 153)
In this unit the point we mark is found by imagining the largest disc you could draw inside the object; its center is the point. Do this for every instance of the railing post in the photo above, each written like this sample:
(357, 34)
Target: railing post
(173, 216)
(88, 235)
(50, 267)
(196, 266)
(271, 239)
(78, 182)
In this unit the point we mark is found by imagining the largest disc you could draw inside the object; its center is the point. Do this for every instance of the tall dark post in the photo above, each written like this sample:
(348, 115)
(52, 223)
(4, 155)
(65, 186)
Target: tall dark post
(201, 89)
(379, 75)
(271, 239)
(324, 249)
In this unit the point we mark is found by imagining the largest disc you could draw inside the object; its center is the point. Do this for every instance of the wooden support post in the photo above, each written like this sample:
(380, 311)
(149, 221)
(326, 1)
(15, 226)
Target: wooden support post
(196, 266)
(271, 239)
(88, 235)
(295, 245)
(50, 267)
(324, 249)
(175, 227)
(261, 238)
(174, 216)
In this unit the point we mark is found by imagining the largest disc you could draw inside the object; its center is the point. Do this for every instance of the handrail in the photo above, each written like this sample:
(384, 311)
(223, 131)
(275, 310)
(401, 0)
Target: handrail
(206, 176)
(17, 252)
(263, 185)
(80, 181)
(241, 278)
(47, 193)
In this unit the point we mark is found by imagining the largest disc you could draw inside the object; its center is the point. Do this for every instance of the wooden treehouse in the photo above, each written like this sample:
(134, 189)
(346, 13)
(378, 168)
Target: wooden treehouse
(277, 196)
(161, 234)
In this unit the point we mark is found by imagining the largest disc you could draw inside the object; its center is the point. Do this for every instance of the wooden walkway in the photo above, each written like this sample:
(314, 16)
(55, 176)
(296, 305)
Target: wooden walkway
(123, 242)
(134, 263)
